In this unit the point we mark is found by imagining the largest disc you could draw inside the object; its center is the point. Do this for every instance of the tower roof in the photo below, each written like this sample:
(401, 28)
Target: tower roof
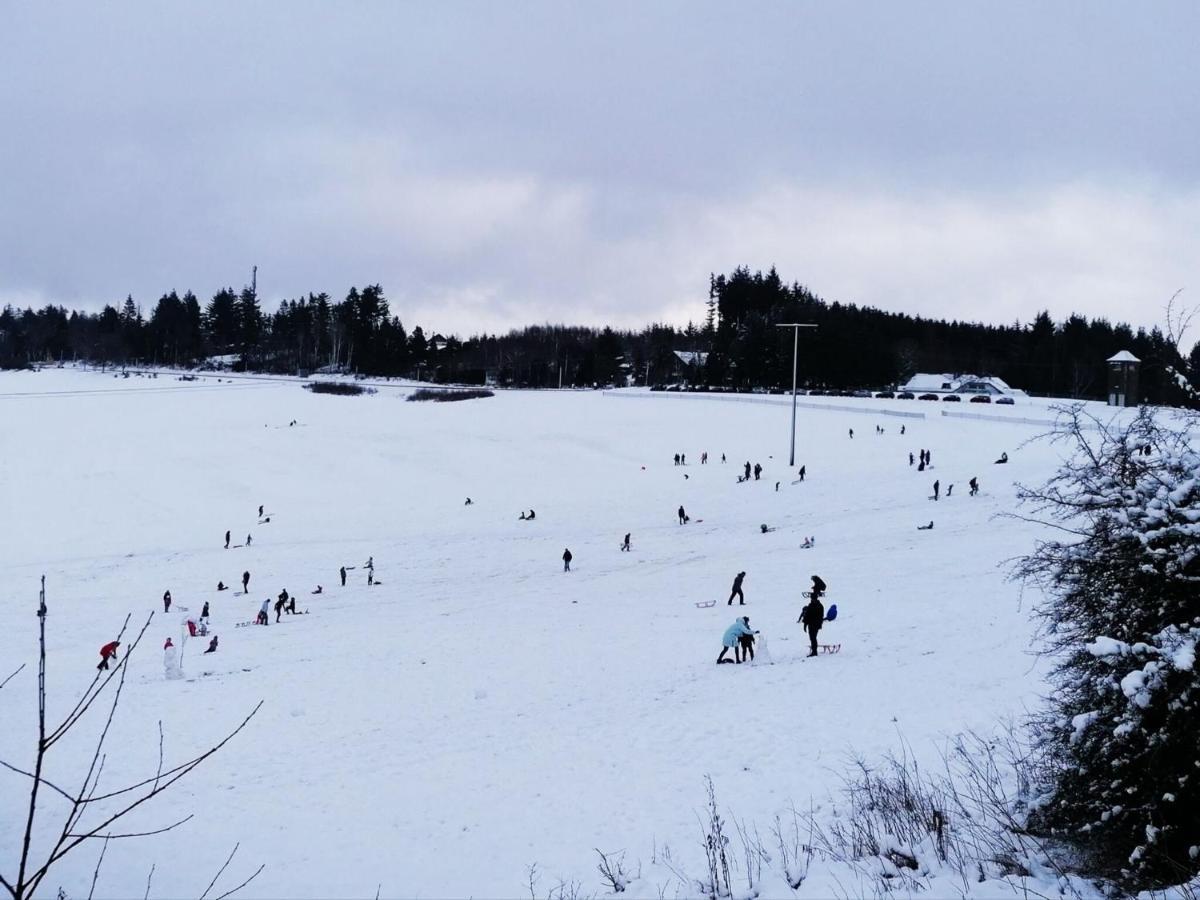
(1123, 356)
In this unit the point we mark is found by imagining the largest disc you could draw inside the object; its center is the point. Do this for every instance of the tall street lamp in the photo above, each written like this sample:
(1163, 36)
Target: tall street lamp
(795, 326)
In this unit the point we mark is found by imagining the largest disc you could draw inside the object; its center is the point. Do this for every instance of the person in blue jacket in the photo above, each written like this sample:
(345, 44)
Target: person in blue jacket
(732, 638)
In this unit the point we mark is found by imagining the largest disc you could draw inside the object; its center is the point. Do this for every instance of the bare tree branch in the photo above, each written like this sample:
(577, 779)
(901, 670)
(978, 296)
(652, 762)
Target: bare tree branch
(221, 870)
(12, 676)
(96, 872)
(149, 876)
(230, 893)
(114, 837)
(45, 781)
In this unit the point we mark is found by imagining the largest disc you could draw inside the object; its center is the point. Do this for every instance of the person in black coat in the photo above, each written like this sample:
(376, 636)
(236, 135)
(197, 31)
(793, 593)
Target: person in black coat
(342, 572)
(737, 590)
(682, 515)
(227, 540)
(567, 560)
(813, 616)
(167, 601)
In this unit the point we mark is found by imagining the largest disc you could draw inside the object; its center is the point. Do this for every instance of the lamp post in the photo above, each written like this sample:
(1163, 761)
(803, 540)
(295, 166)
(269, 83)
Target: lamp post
(795, 326)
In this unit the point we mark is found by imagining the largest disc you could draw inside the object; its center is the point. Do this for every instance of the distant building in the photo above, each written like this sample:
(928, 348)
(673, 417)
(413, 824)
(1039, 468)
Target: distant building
(1123, 379)
(688, 363)
(944, 383)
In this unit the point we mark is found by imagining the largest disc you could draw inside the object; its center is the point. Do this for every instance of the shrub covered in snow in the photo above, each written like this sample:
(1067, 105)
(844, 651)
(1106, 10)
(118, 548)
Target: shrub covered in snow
(1121, 576)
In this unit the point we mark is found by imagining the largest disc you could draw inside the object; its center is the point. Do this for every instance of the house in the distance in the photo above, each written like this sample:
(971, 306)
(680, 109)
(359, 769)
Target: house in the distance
(688, 364)
(944, 383)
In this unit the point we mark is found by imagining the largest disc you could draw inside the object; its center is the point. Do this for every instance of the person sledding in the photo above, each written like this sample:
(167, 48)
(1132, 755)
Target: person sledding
(731, 640)
(212, 645)
(1003, 459)
(812, 617)
(107, 652)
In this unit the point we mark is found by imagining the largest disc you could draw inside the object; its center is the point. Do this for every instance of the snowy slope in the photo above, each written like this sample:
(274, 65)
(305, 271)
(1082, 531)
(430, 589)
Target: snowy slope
(481, 710)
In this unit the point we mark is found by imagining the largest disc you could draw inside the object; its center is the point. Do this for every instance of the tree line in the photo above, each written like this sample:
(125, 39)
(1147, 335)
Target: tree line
(853, 347)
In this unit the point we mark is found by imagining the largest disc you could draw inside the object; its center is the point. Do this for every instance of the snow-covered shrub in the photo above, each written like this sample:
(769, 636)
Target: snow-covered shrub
(1121, 577)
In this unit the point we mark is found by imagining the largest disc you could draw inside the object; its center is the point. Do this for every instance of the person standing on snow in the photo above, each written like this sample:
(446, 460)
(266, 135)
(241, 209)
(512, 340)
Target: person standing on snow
(747, 476)
(737, 590)
(731, 640)
(260, 509)
(803, 469)
(204, 612)
(625, 545)
(166, 601)
(279, 608)
(937, 489)
(974, 483)
(245, 582)
(682, 515)
(107, 652)
(566, 558)
(813, 616)
(342, 572)
(757, 471)
(247, 540)
(226, 538)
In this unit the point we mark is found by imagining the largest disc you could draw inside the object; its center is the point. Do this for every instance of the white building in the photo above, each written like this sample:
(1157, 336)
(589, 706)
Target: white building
(944, 383)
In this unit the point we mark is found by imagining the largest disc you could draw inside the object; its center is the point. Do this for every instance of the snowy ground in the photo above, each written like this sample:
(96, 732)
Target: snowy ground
(481, 710)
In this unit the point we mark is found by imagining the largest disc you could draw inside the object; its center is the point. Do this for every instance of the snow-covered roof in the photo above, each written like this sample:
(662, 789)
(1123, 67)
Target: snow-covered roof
(932, 381)
(692, 357)
(1123, 356)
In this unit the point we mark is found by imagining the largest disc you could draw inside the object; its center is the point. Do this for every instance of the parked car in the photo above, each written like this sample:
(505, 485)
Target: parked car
(981, 398)
(952, 398)
(885, 395)
(1005, 401)
(927, 397)
(862, 393)
(904, 395)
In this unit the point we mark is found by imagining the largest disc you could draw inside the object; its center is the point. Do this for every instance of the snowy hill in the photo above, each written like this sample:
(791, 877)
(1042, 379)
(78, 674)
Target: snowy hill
(481, 710)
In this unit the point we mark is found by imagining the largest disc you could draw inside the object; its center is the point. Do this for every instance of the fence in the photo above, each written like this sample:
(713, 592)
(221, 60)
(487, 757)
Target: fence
(770, 401)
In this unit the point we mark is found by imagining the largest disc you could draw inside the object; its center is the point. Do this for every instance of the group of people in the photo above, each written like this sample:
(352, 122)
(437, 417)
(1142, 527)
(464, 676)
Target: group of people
(284, 603)
(740, 637)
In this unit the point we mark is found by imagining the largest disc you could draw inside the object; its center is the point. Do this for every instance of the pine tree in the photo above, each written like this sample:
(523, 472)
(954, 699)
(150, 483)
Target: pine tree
(1122, 735)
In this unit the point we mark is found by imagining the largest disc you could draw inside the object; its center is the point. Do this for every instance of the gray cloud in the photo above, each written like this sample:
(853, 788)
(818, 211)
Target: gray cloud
(497, 164)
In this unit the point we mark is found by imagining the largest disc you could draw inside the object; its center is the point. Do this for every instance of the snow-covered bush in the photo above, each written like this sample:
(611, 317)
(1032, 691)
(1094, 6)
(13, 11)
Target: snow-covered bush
(1121, 578)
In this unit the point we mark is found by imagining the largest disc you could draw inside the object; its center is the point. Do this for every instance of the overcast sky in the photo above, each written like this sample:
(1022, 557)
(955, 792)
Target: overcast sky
(496, 164)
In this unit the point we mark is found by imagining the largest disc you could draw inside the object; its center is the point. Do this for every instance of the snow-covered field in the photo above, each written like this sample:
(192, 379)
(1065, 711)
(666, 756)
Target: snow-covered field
(482, 710)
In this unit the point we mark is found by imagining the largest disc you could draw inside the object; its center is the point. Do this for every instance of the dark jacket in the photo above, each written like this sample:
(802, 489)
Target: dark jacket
(737, 580)
(813, 615)
(567, 556)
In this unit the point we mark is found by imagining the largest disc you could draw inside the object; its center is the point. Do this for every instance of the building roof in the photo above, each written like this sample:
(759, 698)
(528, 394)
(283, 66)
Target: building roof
(692, 357)
(1123, 356)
